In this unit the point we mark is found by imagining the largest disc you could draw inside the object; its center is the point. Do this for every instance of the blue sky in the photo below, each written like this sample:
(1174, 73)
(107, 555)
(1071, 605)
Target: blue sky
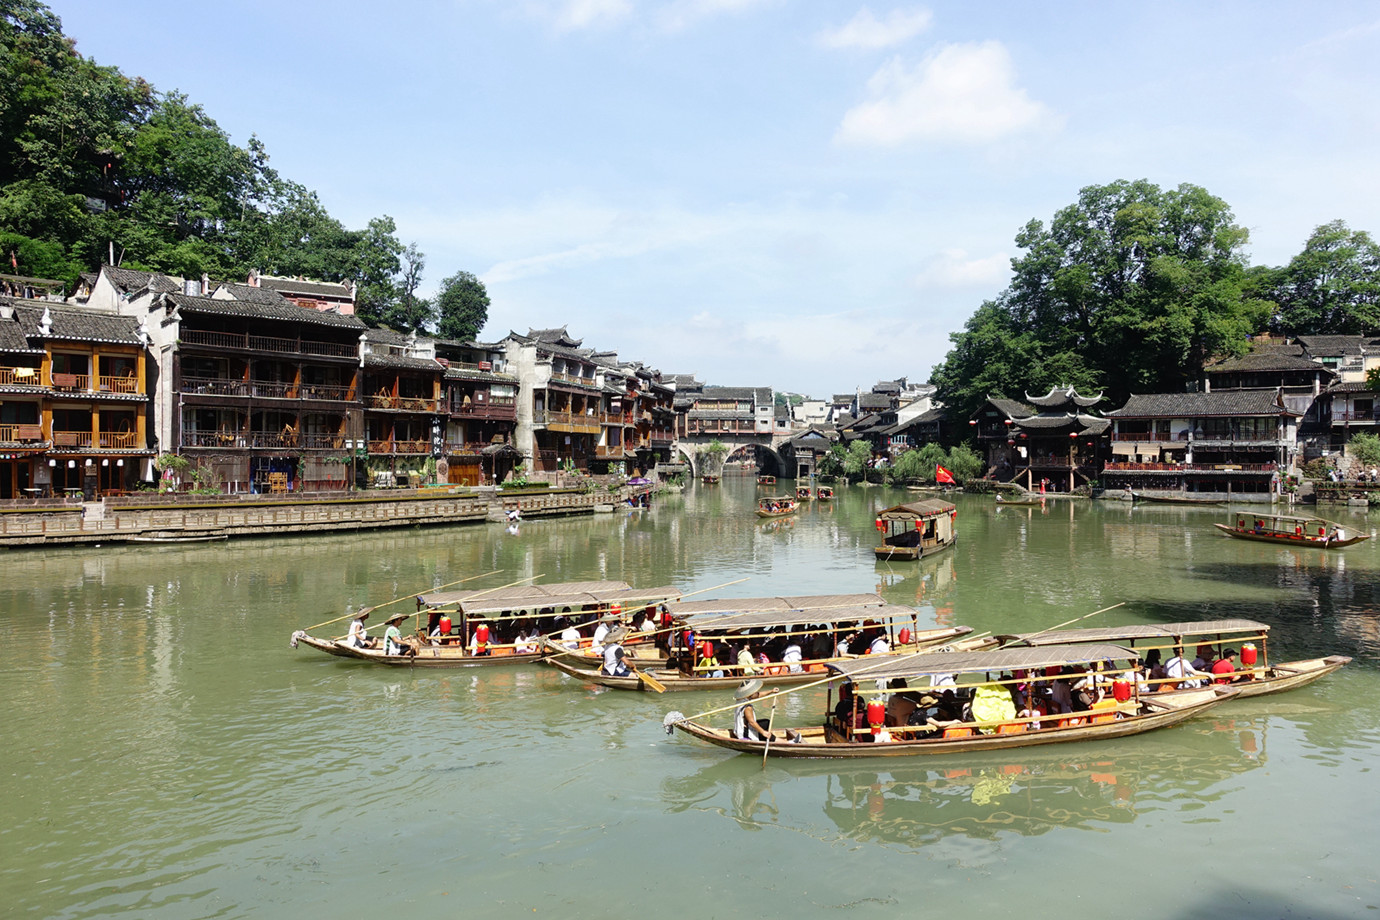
(808, 195)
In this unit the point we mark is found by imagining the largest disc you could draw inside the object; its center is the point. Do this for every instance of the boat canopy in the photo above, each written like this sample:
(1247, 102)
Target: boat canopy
(1283, 522)
(572, 595)
(767, 619)
(917, 511)
(1006, 659)
(818, 602)
(1114, 634)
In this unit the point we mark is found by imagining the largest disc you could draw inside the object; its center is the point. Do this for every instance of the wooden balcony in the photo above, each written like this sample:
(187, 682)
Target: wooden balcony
(21, 434)
(106, 440)
(413, 447)
(20, 377)
(402, 403)
(246, 342)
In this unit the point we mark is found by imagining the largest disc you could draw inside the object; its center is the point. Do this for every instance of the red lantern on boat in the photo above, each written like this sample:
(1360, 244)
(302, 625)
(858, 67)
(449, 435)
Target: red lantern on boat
(904, 636)
(706, 649)
(616, 610)
(1248, 654)
(444, 626)
(481, 635)
(876, 714)
(1121, 689)
(881, 524)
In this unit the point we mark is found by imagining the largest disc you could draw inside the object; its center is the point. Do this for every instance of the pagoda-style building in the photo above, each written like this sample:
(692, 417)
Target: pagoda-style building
(1052, 440)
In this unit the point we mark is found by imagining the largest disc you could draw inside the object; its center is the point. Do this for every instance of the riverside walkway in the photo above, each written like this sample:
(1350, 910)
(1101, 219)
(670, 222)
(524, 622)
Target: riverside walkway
(164, 518)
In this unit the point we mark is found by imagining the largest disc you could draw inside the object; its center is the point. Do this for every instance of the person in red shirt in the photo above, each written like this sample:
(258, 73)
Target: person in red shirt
(1224, 667)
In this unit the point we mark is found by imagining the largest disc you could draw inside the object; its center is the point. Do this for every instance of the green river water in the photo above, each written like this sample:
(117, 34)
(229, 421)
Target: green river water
(167, 755)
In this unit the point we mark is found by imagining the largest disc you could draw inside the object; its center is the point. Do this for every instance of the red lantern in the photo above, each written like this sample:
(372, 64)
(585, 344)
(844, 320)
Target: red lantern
(1009, 422)
(972, 421)
(1248, 654)
(444, 626)
(881, 524)
(904, 637)
(1074, 435)
(876, 714)
(1121, 689)
(706, 649)
(481, 635)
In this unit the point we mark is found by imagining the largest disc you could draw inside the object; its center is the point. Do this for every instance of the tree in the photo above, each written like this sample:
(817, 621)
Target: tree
(463, 307)
(1131, 289)
(377, 259)
(1332, 287)
(1364, 449)
(856, 460)
(408, 312)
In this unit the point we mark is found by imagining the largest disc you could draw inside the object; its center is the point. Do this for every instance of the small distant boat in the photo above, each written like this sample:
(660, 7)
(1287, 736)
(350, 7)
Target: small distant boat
(824, 494)
(709, 480)
(776, 506)
(1179, 499)
(180, 536)
(804, 494)
(766, 480)
(916, 529)
(1294, 531)
(1026, 498)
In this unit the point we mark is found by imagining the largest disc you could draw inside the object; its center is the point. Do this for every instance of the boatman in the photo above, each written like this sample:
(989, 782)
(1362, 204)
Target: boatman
(392, 637)
(614, 665)
(746, 727)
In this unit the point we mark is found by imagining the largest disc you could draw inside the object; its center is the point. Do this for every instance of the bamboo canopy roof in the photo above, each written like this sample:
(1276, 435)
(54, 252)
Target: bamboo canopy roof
(569, 594)
(817, 602)
(912, 511)
(1116, 634)
(1006, 659)
(767, 619)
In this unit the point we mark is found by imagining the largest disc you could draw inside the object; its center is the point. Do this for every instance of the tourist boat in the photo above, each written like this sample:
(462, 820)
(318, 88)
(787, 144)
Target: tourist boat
(720, 628)
(1295, 531)
(1255, 676)
(766, 480)
(495, 616)
(916, 529)
(776, 506)
(709, 479)
(804, 494)
(977, 675)
(824, 493)
(1180, 499)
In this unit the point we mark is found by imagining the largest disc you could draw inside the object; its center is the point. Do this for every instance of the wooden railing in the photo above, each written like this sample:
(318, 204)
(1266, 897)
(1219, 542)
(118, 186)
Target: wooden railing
(404, 403)
(400, 447)
(268, 343)
(20, 377)
(71, 381)
(72, 439)
(15, 434)
(328, 392)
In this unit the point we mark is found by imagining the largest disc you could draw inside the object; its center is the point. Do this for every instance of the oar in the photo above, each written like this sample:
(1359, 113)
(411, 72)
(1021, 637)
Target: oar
(1076, 619)
(351, 616)
(649, 681)
(771, 731)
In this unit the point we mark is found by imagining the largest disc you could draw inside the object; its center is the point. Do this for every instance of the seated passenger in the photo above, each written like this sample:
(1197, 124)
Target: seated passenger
(792, 657)
(358, 637)
(1181, 674)
(1224, 668)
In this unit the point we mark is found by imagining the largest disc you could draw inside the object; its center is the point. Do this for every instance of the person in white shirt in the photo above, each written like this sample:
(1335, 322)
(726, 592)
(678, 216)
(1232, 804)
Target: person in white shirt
(570, 636)
(600, 634)
(1182, 674)
(358, 638)
(614, 665)
(791, 657)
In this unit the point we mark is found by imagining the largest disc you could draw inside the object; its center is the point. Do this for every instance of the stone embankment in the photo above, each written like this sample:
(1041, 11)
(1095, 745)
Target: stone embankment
(163, 518)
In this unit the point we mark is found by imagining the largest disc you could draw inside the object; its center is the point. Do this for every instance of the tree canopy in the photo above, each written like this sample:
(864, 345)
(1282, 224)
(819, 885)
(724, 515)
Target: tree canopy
(93, 163)
(462, 306)
(1332, 287)
(1130, 289)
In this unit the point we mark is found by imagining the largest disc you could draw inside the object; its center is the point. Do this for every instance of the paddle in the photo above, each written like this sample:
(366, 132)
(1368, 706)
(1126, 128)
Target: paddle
(650, 682)
(350, 616)
(771, 732)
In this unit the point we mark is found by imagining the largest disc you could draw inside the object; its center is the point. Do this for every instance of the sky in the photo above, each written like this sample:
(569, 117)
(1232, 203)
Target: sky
(805, 195)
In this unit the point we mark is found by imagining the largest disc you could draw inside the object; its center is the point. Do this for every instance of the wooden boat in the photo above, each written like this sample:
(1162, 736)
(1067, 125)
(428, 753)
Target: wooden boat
(1025, 499)
(916, 529)
(776, 506)
(766, 480)
(180, 536)
(1294, 531)
(1180, 499)
(1256, 677)
(804, 494)
(817, 623)
(543, 609)
(1111, 718)
(709, 480)
(824, 494)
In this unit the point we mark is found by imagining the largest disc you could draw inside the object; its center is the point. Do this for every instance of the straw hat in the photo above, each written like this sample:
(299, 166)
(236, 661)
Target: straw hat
(747, 689)
(615, 635)
(396, 618)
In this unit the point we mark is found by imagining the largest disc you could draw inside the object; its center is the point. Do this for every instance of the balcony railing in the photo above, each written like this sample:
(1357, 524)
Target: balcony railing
(419, 446)
(1353, 416)
(71, 439)
(327, 392)
(20, 377)
(273, 389)
(106, 440)
(1127, 467)
(19, 434)
(71, 381)
(574, 379)
(215, 386)
(403, 403)
(268, 343)
(609, 453)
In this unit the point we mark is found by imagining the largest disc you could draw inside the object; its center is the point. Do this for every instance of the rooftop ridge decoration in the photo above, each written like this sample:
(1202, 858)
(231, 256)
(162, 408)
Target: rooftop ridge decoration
(1060, 396)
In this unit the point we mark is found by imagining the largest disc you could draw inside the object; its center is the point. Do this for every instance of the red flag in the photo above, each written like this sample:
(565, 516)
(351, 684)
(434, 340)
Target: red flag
(942, 475)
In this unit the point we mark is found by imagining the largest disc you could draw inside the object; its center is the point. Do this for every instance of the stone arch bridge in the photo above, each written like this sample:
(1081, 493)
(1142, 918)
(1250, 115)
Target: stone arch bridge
(691, 447)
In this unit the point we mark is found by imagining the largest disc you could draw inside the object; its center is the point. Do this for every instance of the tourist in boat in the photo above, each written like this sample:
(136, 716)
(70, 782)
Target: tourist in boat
(479, 640)
(746, 725)
(648, 625)
(614, 665)
(358, 637)
(392, 637)
(792, 657)
(523, 644)
(601, 632)
(570, 636)
(1203, 658)
(1181, 673)
(747, 662)
(1224, 668)
(879, 645)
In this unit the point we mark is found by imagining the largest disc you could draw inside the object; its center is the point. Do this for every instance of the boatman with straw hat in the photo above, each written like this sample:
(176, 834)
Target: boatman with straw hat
(392, 637)
(746, 727)
(614, 665)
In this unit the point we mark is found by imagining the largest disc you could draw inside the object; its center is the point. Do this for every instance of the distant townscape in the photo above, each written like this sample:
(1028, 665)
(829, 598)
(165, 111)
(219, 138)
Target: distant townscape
(140, 380)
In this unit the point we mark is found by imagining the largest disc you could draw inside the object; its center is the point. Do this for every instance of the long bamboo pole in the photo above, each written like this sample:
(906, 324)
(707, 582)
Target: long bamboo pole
(351, 616)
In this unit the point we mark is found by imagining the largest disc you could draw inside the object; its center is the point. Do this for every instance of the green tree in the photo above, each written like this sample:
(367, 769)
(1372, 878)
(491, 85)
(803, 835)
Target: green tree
(462, 306)
(830, 464)
(378, 259)
(965, 463)
(1364, 448)
(408, 312)
(1131, 289)
(856, 460)
(1332, 287)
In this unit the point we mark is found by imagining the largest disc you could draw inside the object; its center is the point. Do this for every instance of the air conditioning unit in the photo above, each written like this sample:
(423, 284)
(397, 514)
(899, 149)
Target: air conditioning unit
(486, 365)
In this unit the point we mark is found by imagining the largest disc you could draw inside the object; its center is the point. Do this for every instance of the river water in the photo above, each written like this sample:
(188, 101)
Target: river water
(167, 754)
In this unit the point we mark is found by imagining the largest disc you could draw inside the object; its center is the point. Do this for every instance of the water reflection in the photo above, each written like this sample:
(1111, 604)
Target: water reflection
(1029, 793)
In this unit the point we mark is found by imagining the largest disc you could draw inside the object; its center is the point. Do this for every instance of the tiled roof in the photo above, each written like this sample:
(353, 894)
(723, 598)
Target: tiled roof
(761, 395)
(1268, 361)
(1353, 386)
(840, 399)
(386, 336)
(1333, 346)
(287, 313)
(1255, 402)
(250, 294)
(554, 337)
(1087, 424)
(874, 401)
(420, 364)
(77, 325)
(1059, 396)
(129, 281)
(1011, 408)
(462, 373)
(12, 339)
(298, 286)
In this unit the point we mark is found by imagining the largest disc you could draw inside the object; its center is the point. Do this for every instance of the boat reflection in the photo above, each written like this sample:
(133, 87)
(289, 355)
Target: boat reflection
(1026, 792)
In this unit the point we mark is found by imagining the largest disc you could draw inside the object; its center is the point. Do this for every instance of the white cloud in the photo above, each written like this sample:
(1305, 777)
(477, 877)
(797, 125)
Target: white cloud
(960, 93)
(680, 14)
(952, 268)
(571, 15)
(867, 31)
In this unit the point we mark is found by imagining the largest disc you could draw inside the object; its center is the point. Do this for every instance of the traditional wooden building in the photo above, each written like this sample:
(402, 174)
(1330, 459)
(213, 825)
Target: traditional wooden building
(403, 420)
(480, 404)
(336, 297)
(561, 399)
(74, 405)
(1052, 440)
